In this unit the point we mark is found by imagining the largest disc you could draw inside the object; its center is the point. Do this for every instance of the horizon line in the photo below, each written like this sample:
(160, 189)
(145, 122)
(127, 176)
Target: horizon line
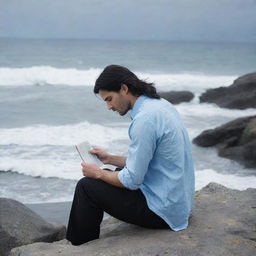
(121, 39)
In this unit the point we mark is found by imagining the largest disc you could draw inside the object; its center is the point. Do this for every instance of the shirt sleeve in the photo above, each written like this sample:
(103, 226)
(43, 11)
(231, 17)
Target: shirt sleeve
(140, 152)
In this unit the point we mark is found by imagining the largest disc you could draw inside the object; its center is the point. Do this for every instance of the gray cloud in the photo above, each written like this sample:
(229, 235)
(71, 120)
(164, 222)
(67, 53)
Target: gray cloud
(222, 20)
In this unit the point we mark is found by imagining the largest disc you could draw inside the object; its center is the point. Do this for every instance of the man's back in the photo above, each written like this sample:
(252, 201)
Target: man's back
(159, 160)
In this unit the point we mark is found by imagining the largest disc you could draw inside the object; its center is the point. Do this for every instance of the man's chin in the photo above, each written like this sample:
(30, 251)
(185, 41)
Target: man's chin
(122, 113)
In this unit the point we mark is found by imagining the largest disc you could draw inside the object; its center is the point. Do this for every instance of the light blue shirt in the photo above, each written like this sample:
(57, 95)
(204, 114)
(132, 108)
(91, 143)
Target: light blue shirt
(159, 161)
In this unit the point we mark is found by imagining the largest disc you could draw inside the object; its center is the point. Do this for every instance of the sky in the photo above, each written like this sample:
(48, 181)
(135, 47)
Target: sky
(179, 20)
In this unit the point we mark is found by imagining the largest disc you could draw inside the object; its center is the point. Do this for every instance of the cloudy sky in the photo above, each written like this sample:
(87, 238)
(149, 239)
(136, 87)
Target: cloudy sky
(189, 20)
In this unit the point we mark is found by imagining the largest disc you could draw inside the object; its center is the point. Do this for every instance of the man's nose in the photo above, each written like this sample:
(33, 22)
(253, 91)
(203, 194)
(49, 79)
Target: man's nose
(109, 106)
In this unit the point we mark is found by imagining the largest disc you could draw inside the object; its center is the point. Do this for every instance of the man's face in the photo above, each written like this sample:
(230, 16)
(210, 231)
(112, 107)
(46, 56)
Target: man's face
(116, 101)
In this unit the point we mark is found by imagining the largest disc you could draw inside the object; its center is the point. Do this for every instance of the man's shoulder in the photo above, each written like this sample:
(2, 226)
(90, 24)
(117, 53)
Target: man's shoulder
(157, 102)
(156, 107)
(151, 113)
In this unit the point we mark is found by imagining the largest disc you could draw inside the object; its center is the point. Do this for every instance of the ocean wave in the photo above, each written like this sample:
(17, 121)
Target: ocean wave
(48, 151)
(195, 82)
(95, 134)
(200, 117)
(72, 170)
(61, 166)
(204, 177)
(47, 75)
(45, 167)
(43, 75)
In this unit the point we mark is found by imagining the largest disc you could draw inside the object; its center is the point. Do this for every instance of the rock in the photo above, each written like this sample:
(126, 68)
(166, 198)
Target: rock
(176, 97)
(222, 223)
(19, 225)
(234, 140)
(240, 95)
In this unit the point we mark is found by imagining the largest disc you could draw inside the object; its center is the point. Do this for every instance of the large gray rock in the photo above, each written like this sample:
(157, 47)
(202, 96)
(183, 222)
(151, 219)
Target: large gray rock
(176, 97)
(234, 140)
(223, 223)
(19, 225)
(240, 95)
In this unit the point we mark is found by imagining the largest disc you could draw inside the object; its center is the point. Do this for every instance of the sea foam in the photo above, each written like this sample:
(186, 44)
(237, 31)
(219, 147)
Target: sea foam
(48, 151)
(200, 117)
(42, 75)
(72, 134)
(71, 169)
(204, 177)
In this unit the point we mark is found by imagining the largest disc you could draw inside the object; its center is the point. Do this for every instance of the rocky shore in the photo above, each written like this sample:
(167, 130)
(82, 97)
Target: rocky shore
(235, 140)
(176, 97)
(223, 223)
(240, 95)
(19, 225)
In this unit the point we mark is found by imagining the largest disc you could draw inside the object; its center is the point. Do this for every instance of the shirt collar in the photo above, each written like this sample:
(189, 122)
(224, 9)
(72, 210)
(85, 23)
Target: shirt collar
(137, 106)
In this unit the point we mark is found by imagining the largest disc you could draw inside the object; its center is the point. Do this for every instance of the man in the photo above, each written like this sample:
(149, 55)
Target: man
(154, 187)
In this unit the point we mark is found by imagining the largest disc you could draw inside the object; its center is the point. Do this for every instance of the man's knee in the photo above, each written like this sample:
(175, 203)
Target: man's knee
(87, 184)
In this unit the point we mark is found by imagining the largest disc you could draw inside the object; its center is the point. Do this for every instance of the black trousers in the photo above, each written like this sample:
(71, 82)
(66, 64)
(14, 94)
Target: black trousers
(93, 197)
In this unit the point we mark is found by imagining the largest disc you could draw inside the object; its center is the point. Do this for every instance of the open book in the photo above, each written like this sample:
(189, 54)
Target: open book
(83, 150)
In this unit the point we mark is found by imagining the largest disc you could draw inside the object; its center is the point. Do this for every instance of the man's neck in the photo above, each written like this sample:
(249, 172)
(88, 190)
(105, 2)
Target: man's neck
(133, 100)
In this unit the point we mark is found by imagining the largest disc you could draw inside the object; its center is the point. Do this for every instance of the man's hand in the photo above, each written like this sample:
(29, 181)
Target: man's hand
(107, 158)
(91, 170)
(101, 154)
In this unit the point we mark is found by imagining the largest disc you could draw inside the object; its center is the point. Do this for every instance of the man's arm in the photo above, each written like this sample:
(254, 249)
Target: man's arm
(93, 171)
(106, 158)
(143, 134)
(119, 161)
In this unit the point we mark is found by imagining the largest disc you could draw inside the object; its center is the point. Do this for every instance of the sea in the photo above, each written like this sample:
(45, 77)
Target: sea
(47, 106)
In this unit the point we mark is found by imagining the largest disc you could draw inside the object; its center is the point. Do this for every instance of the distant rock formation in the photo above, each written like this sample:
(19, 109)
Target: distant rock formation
(234, 140)
(19, 225)
(223, 223)
(240, 95)
(176, 97)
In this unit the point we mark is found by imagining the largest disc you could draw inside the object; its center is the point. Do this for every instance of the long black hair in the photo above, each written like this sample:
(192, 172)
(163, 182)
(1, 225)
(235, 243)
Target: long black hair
(113, 76)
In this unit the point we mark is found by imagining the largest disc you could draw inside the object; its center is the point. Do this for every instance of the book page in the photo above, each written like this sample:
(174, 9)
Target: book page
(83, 150)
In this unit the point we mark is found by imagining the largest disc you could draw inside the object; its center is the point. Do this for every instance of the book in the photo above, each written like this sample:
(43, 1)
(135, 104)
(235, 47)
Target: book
(83, 151)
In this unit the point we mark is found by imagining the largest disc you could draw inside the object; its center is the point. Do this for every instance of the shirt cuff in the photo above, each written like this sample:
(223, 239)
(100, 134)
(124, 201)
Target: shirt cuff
(125, 178)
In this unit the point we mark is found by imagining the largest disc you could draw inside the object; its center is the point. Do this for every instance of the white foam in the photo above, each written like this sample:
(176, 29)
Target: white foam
(71, 169)
(41, 75)
(200, 117)
(44, 167)
(187, 81)
(204, 177)
(207, 110)
(48, 151)
(95, 134)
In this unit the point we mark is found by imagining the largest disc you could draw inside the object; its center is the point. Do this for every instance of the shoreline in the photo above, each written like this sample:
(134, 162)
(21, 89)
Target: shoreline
(55, 213)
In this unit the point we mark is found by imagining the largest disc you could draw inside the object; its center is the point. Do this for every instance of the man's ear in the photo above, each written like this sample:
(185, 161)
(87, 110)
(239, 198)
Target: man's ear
(124, 88)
